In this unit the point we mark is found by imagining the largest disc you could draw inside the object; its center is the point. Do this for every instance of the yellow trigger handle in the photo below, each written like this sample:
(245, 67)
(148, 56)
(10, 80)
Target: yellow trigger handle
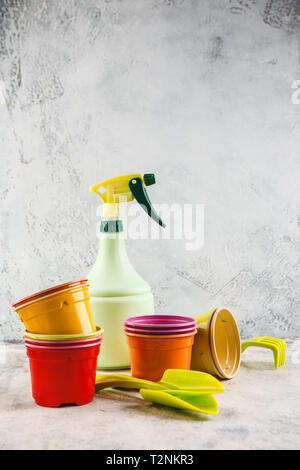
(126, 188)
(115, 190)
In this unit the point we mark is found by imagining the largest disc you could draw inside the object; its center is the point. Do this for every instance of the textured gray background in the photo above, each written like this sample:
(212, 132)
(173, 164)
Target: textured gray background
(198, 92)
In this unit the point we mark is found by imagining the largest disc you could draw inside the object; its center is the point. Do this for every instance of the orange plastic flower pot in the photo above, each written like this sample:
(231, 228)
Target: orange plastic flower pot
(151, 355)
(61, 310)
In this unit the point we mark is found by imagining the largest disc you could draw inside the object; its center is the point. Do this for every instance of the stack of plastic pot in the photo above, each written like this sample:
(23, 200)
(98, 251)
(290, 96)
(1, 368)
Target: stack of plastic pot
(159, 342)
(63, 344)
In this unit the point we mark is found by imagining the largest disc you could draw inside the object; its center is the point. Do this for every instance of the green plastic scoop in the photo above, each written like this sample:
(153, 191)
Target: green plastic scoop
(183, 389)
(173, 379)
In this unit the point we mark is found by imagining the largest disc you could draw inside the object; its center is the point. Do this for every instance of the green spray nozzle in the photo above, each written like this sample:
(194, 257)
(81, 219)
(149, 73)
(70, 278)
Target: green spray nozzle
(149, 178)
(124, 189)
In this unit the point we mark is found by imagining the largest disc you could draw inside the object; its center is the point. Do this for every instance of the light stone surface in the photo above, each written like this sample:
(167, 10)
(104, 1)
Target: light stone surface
(259, 410)
(200, 93)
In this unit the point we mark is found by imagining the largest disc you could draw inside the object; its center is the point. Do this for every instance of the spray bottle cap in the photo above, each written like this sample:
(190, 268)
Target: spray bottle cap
(124, 189)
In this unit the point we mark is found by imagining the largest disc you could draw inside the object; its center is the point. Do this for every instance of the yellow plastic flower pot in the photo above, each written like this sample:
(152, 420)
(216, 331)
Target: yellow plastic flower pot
(60, 310)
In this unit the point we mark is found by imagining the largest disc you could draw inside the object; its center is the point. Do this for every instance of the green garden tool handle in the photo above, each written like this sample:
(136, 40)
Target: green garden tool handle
(124, 381)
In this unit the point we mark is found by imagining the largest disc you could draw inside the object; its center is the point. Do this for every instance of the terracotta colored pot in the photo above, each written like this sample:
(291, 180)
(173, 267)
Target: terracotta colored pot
(217, 345)
(151, 355)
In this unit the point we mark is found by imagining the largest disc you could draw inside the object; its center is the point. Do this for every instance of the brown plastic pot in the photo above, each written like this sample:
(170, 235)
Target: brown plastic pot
(217, 345)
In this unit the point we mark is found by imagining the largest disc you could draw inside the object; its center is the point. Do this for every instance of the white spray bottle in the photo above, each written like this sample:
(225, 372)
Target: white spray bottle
(117, 291)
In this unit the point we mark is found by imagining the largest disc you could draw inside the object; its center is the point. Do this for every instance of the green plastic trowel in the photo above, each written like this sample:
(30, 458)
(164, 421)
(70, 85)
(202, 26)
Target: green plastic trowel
(183, 389)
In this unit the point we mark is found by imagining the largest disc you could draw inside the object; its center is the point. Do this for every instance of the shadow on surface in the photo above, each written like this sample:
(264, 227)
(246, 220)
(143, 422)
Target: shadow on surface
(258, 365)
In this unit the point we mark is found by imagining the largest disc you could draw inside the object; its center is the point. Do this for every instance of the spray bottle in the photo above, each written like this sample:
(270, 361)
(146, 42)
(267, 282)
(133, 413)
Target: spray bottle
(117, 291)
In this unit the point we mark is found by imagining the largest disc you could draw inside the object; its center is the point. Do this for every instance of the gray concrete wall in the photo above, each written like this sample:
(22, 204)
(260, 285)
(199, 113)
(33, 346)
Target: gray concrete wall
(198, 92)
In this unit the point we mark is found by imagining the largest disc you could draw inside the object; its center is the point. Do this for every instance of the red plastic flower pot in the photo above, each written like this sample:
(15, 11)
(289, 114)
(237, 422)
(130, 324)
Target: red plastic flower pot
(63, 376)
